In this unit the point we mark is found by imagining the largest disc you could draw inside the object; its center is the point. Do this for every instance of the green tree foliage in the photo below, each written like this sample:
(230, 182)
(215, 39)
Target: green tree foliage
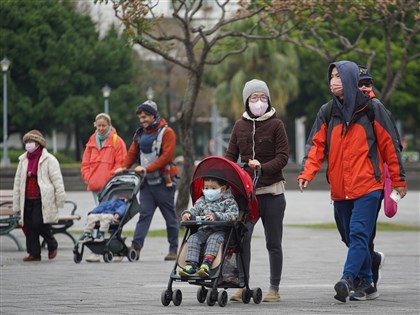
(59, 66)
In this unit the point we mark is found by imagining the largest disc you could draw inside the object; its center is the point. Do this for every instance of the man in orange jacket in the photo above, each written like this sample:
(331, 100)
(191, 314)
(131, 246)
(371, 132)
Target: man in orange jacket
(153, 147)
(356, 149)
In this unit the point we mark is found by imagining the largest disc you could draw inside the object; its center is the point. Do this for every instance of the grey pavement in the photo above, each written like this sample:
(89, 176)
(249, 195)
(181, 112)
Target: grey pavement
(313, 260)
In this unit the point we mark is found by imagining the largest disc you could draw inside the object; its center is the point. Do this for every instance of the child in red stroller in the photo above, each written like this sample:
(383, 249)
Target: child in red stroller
(225, 270)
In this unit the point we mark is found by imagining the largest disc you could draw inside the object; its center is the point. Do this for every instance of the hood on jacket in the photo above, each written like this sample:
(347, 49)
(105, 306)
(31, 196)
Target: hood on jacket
(349, 75)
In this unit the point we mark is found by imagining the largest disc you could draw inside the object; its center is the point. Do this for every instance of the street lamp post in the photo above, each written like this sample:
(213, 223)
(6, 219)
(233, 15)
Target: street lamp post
(150, 93)
(106, 91)
(5, 63)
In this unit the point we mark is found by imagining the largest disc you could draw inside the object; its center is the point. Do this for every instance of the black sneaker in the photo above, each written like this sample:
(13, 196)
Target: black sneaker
(365, 291)
(343, 288)
(378, 261)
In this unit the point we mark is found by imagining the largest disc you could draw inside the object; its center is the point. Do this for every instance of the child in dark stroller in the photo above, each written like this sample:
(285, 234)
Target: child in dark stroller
(105, 213)
(216, 204)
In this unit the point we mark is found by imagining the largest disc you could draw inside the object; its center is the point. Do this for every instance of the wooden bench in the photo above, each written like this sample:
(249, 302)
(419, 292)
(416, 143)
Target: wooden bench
(9, 220)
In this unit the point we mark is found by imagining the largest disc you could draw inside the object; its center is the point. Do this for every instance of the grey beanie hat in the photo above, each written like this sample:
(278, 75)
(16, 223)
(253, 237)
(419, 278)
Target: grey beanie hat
(149, 107)
(254, 86)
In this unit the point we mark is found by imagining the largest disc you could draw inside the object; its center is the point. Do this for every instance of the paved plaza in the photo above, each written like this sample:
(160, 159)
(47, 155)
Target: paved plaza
(313, 260)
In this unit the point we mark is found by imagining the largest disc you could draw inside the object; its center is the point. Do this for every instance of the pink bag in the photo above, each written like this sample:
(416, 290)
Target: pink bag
(390, 206)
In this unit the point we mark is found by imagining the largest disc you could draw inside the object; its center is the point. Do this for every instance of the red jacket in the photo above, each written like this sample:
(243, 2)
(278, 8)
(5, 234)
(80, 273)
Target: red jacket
(98, 166)
(355, 152)
(166, 156)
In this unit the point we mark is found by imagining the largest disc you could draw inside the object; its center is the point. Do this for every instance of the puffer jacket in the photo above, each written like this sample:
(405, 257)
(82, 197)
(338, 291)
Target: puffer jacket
(98, 166)
(264, 139)
(223, 209)
(355, 150)
(50, 182)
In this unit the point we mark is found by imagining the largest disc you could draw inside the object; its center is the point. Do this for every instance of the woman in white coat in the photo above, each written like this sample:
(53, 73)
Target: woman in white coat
(38, 192)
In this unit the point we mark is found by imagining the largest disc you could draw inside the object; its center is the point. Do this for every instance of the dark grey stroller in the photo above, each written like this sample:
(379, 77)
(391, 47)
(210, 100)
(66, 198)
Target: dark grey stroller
(126, 184)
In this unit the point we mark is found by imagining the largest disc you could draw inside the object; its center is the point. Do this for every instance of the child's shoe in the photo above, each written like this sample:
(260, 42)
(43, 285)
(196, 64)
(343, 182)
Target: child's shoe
(187, 271)
(204, 271)
(86, 237)
(100, 237)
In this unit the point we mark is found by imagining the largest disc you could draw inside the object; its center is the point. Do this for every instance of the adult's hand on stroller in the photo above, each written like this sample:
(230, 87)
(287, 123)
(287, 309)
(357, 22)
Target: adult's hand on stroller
(302, 183)
(186, 217)
(140, 169)
(254, 164)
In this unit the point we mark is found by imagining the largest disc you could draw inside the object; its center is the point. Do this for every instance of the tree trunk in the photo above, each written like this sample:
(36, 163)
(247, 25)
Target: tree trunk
(186, 136)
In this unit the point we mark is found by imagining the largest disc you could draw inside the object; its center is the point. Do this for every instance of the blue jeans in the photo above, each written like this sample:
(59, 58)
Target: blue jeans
(152, 197)
(358, 217)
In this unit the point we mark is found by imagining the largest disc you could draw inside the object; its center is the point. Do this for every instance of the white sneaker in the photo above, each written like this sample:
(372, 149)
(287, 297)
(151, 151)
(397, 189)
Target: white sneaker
(117, 258)
(94, 258)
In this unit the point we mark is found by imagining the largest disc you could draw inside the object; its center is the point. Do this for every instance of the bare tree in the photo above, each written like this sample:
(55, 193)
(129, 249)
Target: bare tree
(198, 34)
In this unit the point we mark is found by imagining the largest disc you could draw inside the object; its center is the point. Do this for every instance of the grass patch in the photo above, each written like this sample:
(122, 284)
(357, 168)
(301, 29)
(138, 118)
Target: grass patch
(379, 227)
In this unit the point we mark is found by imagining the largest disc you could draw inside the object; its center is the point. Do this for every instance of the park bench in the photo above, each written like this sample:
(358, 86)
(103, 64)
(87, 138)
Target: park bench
(9, 220)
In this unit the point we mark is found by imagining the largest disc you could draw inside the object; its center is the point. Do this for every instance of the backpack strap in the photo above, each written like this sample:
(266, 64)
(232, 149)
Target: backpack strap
(159, 139)
(114, 140)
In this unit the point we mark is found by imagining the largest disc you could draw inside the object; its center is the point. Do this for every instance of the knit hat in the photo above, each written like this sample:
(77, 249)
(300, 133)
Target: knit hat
(364, 73)
(36, 136)
(149, 107)
(254, 86)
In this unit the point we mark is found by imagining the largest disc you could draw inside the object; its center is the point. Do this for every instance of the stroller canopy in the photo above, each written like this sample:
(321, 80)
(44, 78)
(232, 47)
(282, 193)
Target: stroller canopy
(236, 178)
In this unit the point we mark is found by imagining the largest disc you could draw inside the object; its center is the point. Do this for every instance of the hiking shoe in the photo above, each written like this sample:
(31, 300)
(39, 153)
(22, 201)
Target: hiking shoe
(204, 271)
(378, 261)
(171, 256)
(86, 237)
(100, 237)
(343, 288)
(365, 291)
(272, 296)
(237, 296)
(187, 271)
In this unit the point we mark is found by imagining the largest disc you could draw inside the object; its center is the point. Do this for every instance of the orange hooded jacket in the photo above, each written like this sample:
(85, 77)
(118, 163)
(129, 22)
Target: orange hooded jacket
(355, 150)
(98, 166)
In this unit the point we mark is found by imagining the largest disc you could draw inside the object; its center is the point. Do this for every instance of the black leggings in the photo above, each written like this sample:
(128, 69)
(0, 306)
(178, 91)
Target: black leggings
(35, 227)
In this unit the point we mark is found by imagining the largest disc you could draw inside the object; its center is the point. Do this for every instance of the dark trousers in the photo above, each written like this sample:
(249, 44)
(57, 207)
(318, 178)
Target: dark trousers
(152, 197)
(271, 209)
(340, 229)
(35, 227)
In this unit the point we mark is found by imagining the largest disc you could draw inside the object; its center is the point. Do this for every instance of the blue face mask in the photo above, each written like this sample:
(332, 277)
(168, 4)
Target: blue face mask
(212, 194)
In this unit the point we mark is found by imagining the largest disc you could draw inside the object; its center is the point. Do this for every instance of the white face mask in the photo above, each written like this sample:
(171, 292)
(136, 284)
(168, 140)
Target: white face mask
(30, 147)
(212, 194)
(258, 108)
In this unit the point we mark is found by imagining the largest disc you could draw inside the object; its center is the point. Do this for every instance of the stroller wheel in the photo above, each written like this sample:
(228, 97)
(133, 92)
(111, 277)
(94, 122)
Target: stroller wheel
(201, 294)
(211, 297)
(246, 295)
(77, 257)
(177, 297)
(108, 256)
(257, 295)
(222, 298)
(132, 255)
(166, 297)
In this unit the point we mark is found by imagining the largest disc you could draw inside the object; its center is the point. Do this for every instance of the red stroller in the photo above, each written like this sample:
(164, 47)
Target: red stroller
(227, 270)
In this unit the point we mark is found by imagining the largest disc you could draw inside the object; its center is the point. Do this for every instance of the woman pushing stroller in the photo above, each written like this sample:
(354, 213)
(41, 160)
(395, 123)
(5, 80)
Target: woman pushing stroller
(216, 204)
